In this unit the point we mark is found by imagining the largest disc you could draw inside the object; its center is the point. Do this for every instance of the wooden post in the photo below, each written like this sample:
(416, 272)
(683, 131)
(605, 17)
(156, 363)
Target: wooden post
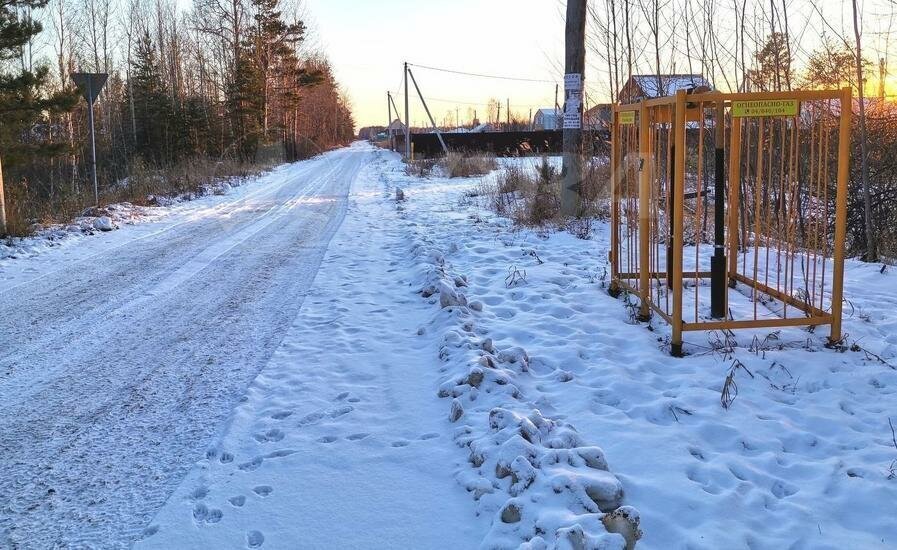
(841, 215)
(678, 199)
(3, 228)
(646, 170)
(574, 63)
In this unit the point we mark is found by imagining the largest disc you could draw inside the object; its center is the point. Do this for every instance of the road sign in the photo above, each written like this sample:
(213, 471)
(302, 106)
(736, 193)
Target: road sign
(90, 84)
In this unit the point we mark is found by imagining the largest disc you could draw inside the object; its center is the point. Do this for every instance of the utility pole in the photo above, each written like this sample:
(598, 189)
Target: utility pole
(389, 118)
(508, 114)
(556, 108)
(407, 117)
(574, 62)
(498, 116)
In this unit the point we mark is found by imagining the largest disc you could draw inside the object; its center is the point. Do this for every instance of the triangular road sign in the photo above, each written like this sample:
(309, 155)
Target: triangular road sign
(90, 84)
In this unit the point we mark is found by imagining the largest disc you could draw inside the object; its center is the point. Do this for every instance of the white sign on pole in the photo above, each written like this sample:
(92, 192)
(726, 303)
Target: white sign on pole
(573, 101)
(573, 82)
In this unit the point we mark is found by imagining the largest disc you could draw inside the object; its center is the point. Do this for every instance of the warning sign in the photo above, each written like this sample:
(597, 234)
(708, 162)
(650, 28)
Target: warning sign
(765, 107)
(626, 117)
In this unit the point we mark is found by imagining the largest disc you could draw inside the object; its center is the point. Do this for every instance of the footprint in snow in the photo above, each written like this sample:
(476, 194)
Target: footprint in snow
(429, 436)
(263, 490)
(356, 437)
(237, 501)
(400, 443)
(326, 439)
(254, 539)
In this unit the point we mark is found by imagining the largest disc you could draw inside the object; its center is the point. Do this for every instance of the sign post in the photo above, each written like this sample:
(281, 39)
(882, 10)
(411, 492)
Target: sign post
(90, 85)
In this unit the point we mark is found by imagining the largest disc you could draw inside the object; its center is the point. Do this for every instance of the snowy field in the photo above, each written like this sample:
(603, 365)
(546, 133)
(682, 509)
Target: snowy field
(443, 379)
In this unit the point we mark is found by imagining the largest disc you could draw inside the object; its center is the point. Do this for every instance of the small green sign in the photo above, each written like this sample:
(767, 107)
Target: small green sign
(626, 117)
(765, 107)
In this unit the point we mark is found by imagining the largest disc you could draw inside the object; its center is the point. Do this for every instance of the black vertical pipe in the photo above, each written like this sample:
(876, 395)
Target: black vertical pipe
(718, 261)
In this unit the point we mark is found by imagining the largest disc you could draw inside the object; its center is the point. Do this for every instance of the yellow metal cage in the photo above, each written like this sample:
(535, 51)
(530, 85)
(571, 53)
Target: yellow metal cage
(729, 210)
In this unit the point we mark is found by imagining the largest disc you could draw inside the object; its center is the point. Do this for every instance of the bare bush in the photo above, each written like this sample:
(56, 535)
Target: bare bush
(460, 165)
(420, 168)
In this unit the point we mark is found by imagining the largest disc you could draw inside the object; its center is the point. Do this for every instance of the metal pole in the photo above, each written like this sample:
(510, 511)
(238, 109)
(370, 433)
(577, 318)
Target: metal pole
(427, 109)
(93, 143)
(575, 61)
(718, 284)
(407, 117)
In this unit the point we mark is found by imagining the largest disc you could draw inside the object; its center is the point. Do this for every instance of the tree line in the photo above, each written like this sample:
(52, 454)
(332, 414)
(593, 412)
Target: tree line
(222, 88)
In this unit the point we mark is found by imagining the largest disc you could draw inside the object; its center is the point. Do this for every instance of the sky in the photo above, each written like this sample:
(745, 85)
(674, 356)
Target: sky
(368, 41)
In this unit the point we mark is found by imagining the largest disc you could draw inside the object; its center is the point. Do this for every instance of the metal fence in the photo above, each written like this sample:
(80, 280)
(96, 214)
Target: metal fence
(730, 209)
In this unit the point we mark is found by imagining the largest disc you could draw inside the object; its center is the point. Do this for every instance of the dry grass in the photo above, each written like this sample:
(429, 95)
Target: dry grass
(461, 165)
(532, 197)
(27, 208)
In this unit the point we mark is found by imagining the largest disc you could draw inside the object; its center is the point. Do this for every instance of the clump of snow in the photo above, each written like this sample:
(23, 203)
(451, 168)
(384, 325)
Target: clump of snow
(103, 223)
(541, 483)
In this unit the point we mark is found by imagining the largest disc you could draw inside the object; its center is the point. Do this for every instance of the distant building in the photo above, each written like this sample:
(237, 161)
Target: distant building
(547, 119)
(396, 128)
(650, 86)
(598, 118)
(371, 132)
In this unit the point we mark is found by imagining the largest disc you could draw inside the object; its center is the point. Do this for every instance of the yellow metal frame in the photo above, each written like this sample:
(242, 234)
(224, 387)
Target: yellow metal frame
(674, 112)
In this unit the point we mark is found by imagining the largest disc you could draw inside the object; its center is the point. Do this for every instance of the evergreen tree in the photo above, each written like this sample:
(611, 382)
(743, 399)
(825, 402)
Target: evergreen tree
(23, 100)
(152, 107)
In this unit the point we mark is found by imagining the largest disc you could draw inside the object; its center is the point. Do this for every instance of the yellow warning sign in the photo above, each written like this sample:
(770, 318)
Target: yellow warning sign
(765, 107)
(626, 117)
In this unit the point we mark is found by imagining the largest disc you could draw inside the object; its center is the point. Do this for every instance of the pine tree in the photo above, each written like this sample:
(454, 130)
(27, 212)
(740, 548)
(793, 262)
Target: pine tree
(24, 102)
(152, 108)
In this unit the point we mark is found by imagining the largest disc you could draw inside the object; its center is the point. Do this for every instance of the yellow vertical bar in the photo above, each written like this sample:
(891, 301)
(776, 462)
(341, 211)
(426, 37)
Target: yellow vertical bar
(615, 201)
(678, 200)
(841, 214)
(734, 158)
(646, 159)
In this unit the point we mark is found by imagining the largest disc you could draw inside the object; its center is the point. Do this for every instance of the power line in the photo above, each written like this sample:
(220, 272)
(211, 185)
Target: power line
(480, 75)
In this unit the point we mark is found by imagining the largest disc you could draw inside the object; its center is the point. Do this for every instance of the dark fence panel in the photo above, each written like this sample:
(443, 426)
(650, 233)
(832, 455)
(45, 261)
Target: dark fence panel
(499, 143)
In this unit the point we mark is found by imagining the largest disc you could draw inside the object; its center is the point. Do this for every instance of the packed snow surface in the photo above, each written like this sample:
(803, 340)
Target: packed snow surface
(122, 354)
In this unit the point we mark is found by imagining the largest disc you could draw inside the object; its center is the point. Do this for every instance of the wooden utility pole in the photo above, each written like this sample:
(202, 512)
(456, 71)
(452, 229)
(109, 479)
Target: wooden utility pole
(3, 229)
(574, 63)
(508, 114)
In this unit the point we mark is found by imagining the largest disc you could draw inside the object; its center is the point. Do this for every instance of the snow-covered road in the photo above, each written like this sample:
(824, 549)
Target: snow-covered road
(118, 366)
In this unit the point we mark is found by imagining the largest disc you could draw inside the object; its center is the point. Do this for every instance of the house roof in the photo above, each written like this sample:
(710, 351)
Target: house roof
(396, 125)
(669, 83)
(547, 111)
